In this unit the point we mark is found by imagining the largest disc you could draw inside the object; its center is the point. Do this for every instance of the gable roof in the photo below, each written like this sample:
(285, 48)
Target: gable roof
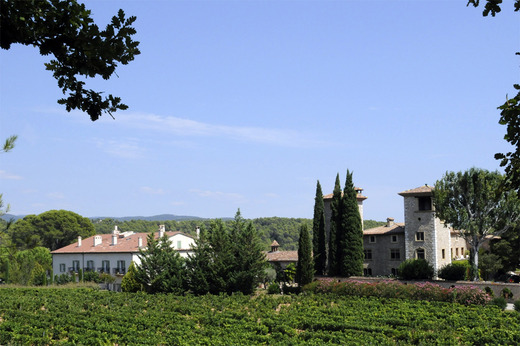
(424, 190)
(396, 228)
(282, 256)
(127, 243)
(359, 196)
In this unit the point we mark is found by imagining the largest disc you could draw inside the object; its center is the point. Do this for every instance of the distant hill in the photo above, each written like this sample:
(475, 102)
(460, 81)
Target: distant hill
(161, 217)
(9, 217)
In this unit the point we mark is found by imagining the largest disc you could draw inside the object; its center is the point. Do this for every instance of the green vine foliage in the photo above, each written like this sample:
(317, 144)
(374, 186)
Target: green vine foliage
(87, 316)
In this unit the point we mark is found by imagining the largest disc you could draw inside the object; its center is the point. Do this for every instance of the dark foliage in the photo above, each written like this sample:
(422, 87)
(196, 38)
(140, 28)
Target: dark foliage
(304, 267)
(65, 30)
(415, 269)
(226, 260)
(53, 229)
(161, 269)
(335, 226)
(350, 245)
(453, 271)
(319, 241)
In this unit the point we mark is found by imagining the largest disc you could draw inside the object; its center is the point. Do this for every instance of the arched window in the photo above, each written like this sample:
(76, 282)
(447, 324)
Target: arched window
(419, 254)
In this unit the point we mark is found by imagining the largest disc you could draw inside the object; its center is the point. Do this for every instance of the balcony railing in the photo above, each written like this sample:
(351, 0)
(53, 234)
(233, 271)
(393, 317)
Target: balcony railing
(104, 270)
(119, 271)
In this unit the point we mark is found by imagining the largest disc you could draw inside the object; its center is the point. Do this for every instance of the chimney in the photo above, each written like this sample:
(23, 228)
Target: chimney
(79, 241)
(161, 231)
(97, 240)
(114, 238)
(140, 242)
(198, 232)
(389, 221)
(116, 230)
(274, 246)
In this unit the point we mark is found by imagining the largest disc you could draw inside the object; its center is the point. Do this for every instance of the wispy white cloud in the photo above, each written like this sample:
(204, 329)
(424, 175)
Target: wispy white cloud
(56, 195)
(127, 148)
(190, 128)
(9, 176)
(219, 195)
(151, 191)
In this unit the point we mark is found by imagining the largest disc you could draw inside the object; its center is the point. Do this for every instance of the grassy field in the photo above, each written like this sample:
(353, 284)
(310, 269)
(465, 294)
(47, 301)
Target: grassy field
(88, 316)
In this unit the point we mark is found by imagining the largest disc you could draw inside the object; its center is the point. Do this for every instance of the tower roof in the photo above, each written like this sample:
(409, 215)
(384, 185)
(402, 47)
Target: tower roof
(424, 190)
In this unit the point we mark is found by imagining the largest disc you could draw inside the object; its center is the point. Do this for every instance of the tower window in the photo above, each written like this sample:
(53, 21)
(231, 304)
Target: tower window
(425, 203)
(419, 254)
(419, 236)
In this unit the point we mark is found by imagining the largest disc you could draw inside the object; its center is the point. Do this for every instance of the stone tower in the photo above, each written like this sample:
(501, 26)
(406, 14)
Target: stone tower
(425, 235)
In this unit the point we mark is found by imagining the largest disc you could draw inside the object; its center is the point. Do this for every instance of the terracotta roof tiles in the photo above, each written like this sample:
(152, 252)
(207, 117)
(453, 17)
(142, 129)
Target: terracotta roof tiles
(127, 243)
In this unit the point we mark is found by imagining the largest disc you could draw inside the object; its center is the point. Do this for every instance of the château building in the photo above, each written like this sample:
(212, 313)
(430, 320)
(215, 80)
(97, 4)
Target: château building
(422, 235)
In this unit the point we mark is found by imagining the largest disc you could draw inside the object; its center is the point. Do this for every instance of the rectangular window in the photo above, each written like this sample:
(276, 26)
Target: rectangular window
(367, 272)
(179, 244)
(425, 203)
(372, 239)
(462, 251)
(451, 252)
(105, 266)
(121, 267)
(456, 252)
(394, 238)
(62, 267)
(75, 266)
(419, 236)
(368, 254)
(394, 271)
(419, 254)
(443, 254)
(395, 254)
(90, 265)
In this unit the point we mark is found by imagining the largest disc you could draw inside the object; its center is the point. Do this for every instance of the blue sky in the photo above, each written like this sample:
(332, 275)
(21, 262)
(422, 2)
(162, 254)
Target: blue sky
(246, 104)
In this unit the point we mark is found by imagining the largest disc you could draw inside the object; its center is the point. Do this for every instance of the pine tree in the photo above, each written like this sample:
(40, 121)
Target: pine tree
(161, 268)
(319, 242)
(350, 251)
(334, 225)
(304, 267)
(226, 260)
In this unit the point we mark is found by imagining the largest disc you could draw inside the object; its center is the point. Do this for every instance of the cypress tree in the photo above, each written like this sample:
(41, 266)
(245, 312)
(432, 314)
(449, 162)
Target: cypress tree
(350, 241)
(319, 247)
(335, 219)
(304, 267)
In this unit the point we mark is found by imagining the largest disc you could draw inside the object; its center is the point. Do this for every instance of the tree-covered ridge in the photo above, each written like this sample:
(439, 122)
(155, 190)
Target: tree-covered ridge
(284, 230)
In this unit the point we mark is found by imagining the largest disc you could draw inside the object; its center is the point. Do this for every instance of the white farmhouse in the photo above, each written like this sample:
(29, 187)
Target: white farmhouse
(112, 253)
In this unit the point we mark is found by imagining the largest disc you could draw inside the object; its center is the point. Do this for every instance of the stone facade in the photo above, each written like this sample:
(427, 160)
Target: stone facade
(426, 236)
(423, 235)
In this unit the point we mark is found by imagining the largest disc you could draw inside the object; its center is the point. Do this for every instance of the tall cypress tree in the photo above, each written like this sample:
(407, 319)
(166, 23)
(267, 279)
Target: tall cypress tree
(319, 245)
(304, 267)
(350, 242)
(335, 219)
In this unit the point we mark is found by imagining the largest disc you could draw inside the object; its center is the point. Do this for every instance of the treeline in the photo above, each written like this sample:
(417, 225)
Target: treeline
(284, 230)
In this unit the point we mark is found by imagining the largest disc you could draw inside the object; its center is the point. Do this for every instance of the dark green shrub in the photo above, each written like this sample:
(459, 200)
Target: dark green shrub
(291, 290)
(415, 269)
(91, 276)
(273, 288)
(506, 293)
(517, 305)
(489, 291)
(500, 302)
(453, 272)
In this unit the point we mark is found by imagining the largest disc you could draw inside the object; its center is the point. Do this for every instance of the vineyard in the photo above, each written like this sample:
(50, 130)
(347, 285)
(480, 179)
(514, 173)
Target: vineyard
(89, 316)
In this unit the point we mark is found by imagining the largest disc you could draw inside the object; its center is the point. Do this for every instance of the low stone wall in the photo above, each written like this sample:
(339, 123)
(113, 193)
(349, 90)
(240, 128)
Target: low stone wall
(497, 287)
